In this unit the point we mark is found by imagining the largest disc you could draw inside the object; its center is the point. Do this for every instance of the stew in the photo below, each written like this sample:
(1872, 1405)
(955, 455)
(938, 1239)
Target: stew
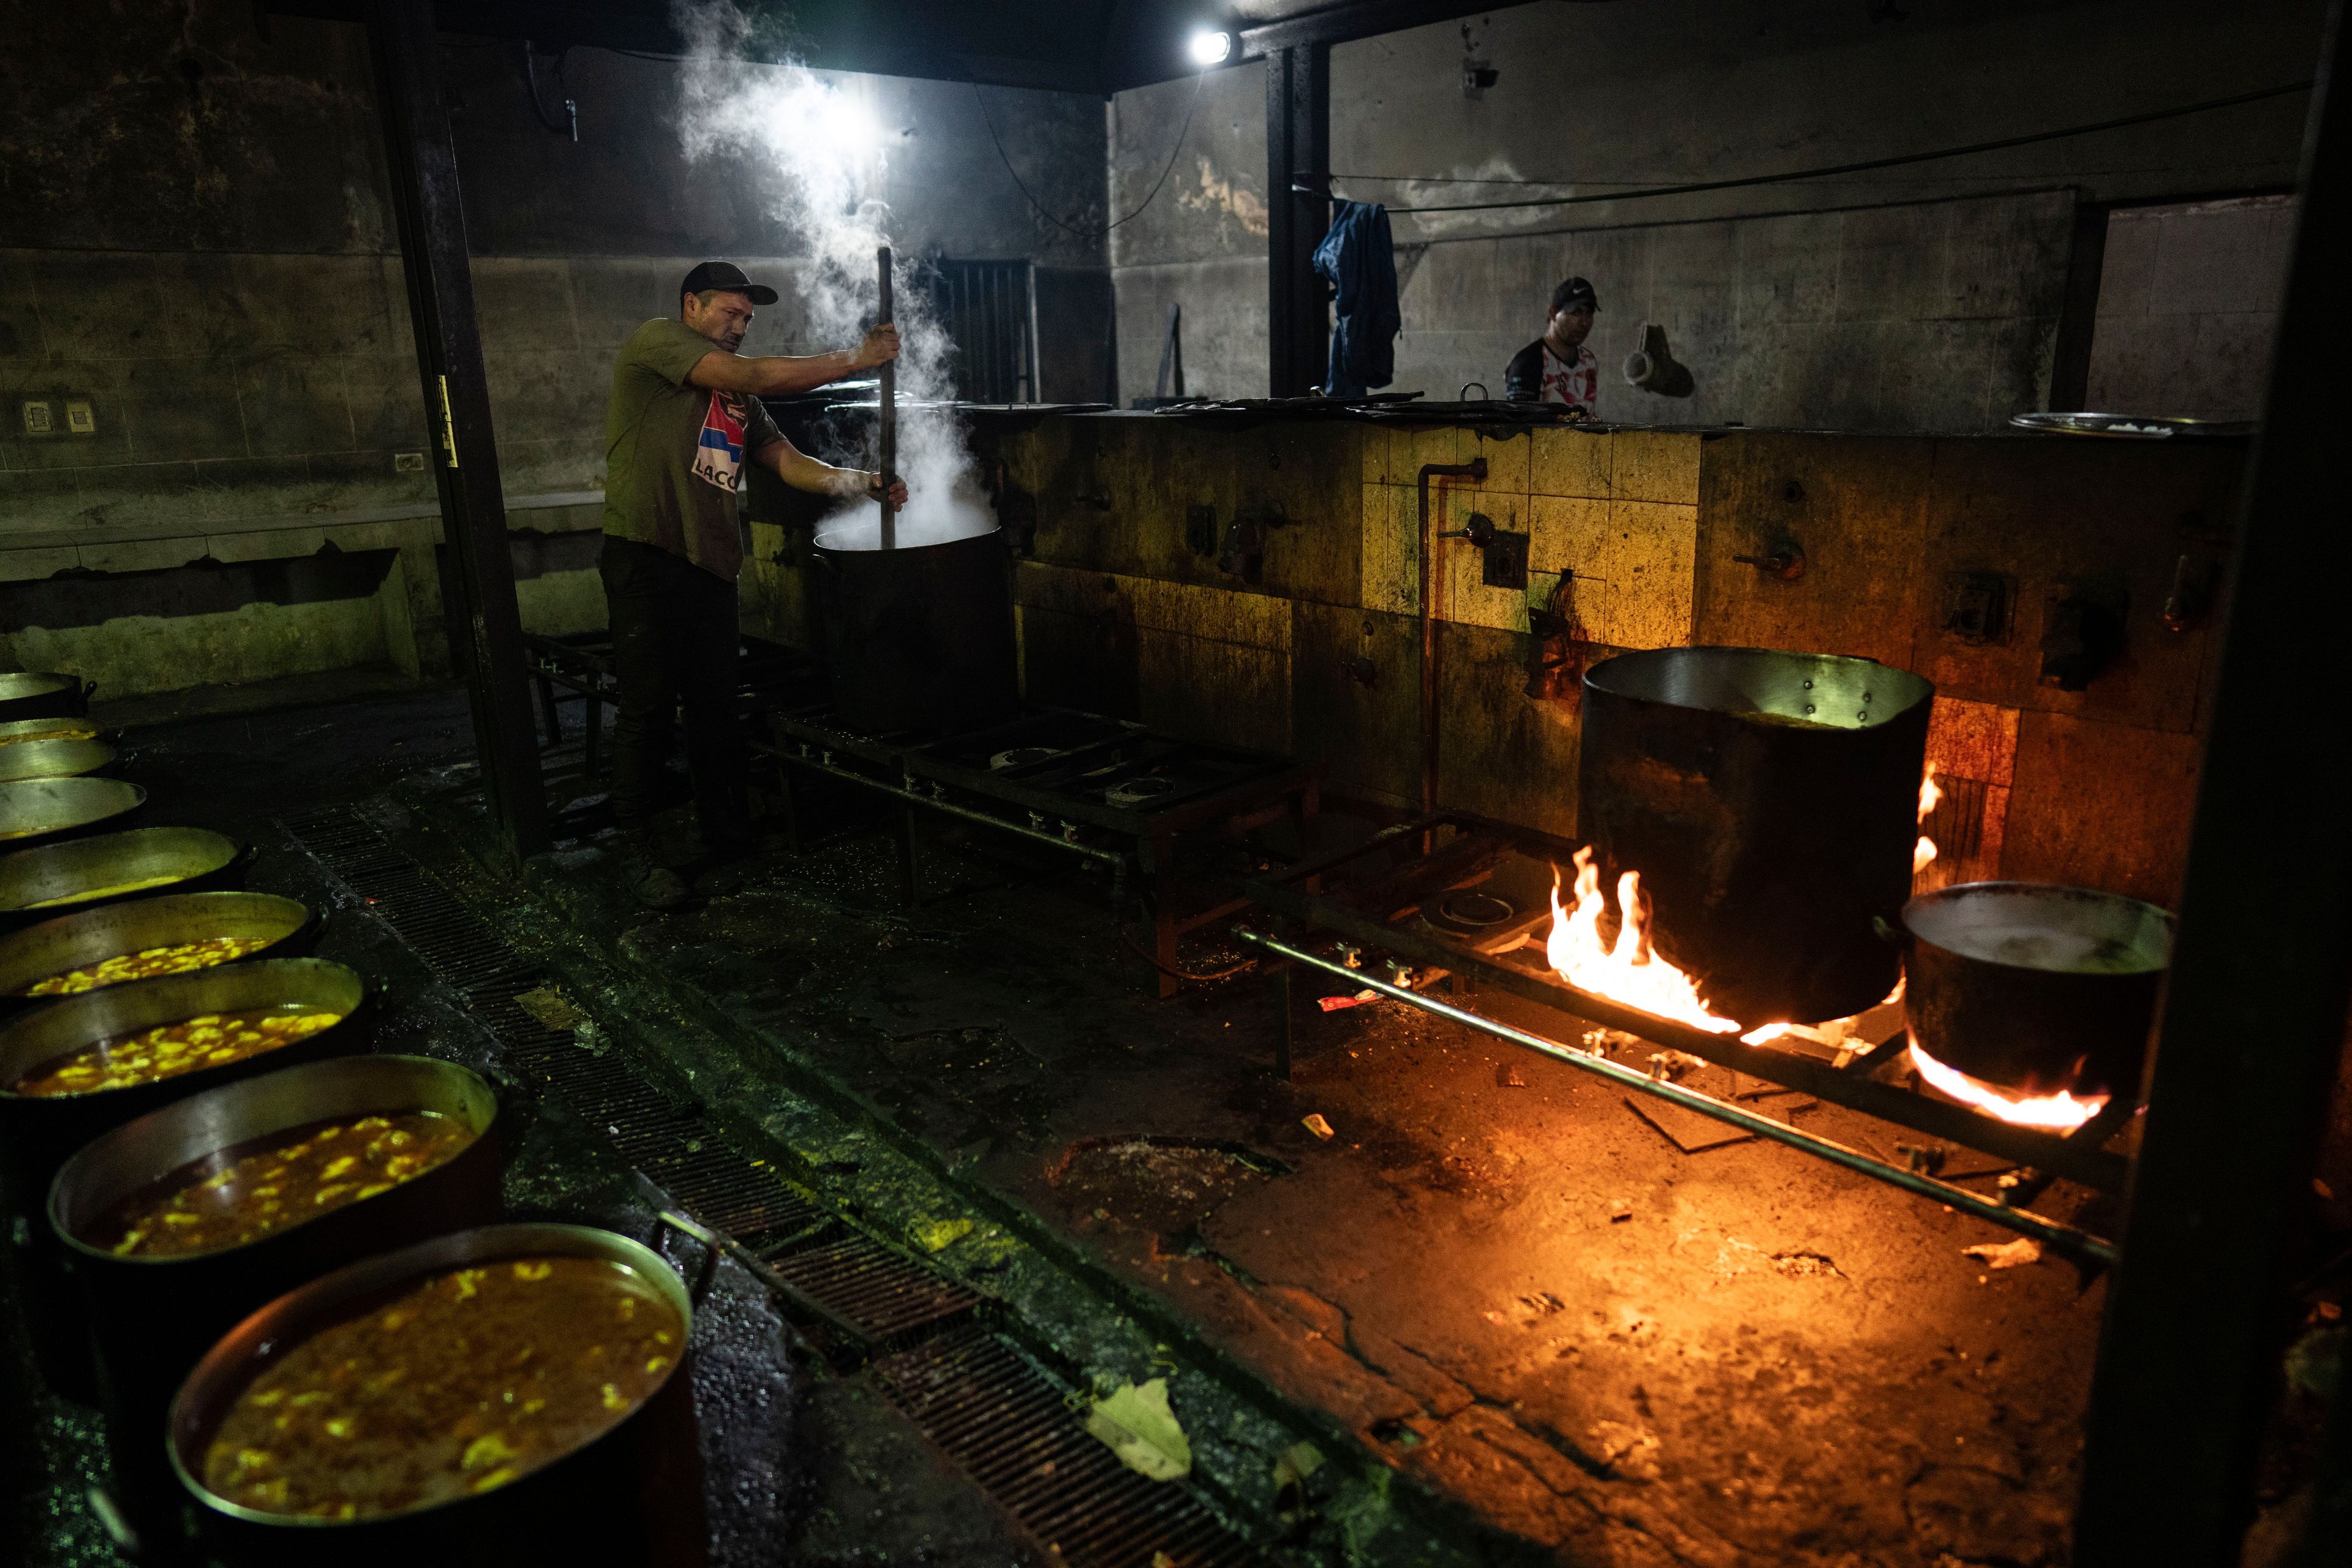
(456, 1385)
(241, 1194)
(209, 1040)
(148, 963)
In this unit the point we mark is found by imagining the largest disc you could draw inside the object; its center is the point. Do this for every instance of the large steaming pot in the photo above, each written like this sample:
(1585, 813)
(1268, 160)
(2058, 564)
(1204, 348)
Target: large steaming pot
(1770, 801)
(2034, 987)
(919, 638)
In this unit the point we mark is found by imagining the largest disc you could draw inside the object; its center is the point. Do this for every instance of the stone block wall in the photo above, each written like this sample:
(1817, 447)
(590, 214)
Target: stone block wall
(1318, 655)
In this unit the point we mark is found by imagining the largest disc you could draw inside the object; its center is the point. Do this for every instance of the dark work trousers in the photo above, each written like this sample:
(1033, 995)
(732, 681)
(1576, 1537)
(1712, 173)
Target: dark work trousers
(676, 644)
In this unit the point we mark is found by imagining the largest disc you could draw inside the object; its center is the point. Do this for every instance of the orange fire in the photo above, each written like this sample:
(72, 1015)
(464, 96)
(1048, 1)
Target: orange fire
(2059, 1112)
(1923, 854)
(1629, 970)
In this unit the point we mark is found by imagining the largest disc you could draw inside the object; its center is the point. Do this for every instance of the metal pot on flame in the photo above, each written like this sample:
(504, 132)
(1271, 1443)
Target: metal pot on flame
(1769, 802)
(2034, 988)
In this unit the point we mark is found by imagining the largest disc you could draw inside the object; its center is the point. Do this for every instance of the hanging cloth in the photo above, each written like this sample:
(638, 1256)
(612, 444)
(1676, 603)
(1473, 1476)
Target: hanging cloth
(1358, 260)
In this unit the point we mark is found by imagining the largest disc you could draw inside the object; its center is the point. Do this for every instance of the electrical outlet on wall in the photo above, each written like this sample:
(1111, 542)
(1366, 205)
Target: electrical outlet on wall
(38, 421)
(408, 462)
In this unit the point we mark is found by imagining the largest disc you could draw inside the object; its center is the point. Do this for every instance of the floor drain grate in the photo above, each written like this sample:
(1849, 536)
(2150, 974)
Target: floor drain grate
(1006, 1426)
(881, 1292)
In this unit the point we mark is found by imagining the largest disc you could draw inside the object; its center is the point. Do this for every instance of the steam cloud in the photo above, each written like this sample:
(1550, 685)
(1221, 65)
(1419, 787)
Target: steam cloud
(823, 139)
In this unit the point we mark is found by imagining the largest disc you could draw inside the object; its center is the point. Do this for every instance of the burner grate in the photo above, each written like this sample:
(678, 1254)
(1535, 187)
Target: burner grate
(1010, 1428)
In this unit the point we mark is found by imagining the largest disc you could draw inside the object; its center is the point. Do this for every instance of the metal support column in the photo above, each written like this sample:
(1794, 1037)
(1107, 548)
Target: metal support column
(432, 223)
(2254, 1011)
(1297, 151)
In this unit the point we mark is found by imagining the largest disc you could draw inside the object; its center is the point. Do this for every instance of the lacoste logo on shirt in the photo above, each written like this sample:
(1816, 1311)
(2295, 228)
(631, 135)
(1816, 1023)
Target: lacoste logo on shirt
(718, 452)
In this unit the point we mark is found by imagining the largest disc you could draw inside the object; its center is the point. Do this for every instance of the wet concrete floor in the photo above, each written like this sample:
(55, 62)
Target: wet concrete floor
(1496, 1279)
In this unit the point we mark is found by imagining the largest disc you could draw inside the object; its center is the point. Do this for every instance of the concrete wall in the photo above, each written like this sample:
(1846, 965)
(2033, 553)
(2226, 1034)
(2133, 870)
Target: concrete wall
(1946, 275)
(196, 243)
(1320, 655)
(2188, 297)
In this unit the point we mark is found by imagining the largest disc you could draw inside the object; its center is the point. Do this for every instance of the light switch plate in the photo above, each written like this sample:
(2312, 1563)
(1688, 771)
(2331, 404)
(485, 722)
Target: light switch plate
(37, 419)
(408, 462)
(79, 417)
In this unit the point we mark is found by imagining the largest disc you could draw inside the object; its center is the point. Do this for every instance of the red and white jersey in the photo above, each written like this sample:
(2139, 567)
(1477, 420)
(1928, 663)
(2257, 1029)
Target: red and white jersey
(719, 454)
(1564, 381)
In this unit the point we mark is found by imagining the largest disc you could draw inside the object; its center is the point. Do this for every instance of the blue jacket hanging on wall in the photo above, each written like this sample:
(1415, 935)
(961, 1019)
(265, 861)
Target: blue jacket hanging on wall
(1358, 260)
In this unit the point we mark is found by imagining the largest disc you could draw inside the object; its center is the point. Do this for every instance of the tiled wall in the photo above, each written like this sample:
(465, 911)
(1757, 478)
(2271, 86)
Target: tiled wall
(1320, 655)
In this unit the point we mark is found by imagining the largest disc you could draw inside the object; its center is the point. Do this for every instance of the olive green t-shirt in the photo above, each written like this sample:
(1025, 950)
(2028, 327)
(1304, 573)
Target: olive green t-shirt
(674, 452)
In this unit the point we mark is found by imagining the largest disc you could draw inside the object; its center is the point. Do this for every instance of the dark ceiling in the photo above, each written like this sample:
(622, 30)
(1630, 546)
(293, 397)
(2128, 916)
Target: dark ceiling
(1071, 46)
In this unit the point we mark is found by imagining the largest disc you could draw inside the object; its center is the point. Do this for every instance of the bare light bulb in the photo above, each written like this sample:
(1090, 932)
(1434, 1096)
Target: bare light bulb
(1210, 48)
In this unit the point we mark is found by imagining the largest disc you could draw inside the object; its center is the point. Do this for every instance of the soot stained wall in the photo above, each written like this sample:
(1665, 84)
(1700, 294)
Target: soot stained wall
(1921, 297)
(195, 239)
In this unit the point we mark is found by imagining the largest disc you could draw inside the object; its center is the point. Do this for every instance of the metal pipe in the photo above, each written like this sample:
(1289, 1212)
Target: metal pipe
(1475, 469)
(2066, 1239)
(950, 808)
(885, 412)
(753, 1264)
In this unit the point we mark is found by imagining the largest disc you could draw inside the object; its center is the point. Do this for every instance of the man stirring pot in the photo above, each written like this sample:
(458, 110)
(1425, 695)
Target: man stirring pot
(684, 419)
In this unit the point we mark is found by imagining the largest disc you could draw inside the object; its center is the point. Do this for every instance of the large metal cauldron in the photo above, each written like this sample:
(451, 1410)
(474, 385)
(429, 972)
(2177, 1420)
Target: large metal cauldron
(70, 942)
(2034, 987)
(105, 869)
(37, 1134)
(41, 694)
(1770, 802)
(150, 1318)
(632, 1496)
(43, 811)
(919, 638)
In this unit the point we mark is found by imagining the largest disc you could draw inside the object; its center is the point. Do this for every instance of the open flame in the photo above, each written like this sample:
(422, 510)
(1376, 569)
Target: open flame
(1629, 970)
(1923, 854)
(2059, 1112)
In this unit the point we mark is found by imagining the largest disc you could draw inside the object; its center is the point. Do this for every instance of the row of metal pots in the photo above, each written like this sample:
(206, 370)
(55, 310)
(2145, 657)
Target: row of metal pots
(165, 1344)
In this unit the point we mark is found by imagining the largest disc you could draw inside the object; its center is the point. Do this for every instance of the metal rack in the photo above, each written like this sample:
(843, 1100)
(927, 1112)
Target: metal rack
(1104, 789)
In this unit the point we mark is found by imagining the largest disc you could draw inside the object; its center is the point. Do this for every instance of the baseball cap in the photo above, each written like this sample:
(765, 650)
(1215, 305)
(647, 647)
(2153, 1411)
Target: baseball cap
(1574, 292)
(726, 275)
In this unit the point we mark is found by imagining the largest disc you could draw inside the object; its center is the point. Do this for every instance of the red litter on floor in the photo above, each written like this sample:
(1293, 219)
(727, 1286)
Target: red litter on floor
(1333, 1003)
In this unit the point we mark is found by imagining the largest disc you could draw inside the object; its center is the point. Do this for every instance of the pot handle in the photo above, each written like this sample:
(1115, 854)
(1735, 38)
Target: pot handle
(1897, 937)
